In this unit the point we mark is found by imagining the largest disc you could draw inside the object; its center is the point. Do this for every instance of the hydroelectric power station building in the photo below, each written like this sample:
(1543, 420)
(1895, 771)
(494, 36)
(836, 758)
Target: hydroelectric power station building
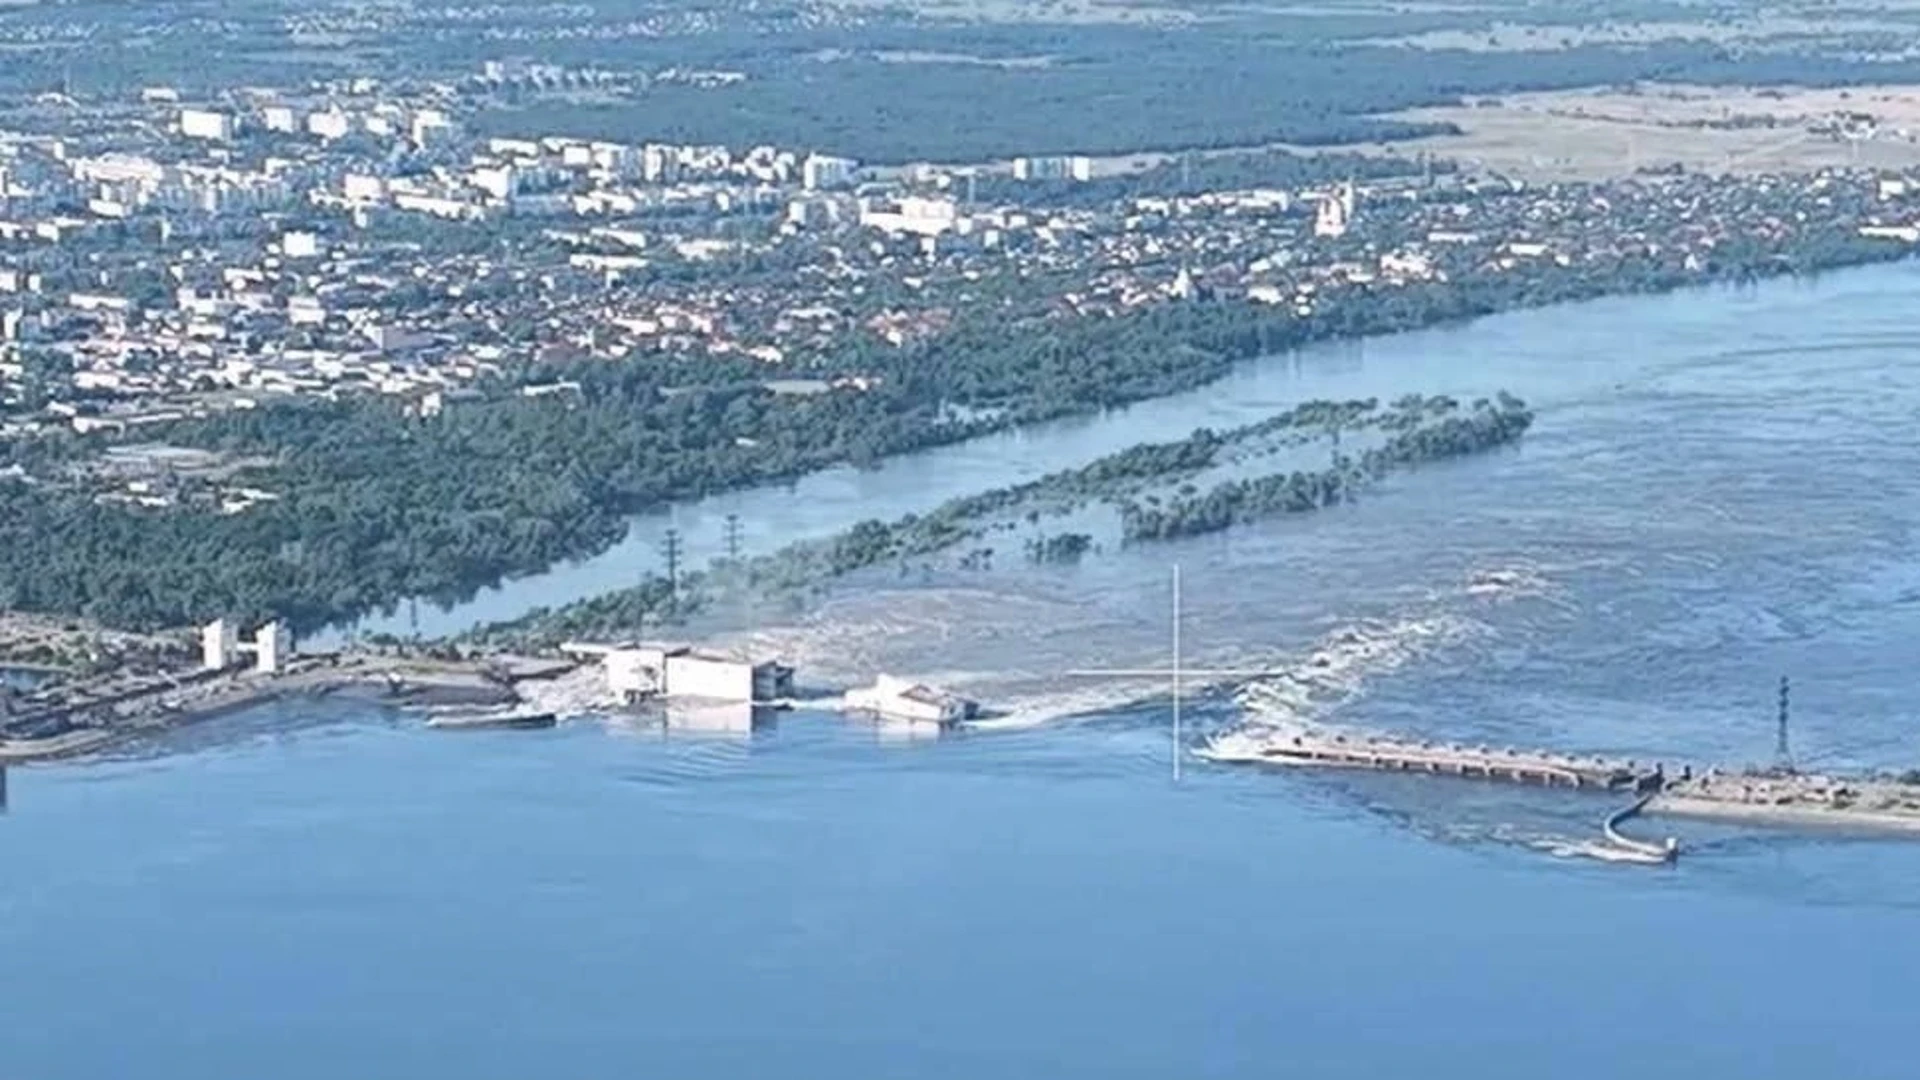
(637, 672)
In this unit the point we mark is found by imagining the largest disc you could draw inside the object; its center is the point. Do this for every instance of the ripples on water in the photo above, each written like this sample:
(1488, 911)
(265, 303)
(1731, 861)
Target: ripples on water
(1632, 580)
(1683, 525)
(1720, 489)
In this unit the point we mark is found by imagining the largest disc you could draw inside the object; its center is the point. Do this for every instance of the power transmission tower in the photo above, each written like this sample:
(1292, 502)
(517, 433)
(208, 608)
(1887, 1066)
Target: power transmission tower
(733, 537)
(1781, 750)
(670, 550)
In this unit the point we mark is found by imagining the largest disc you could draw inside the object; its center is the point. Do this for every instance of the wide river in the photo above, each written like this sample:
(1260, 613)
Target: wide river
(1721, 488)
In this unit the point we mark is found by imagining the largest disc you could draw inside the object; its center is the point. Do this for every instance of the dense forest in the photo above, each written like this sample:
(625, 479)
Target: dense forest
(885, 84)
(378, 505)
(1190, 88)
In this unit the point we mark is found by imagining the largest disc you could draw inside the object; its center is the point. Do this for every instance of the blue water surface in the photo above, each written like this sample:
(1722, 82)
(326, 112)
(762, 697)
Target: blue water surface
(1722, 487)
(368, 900)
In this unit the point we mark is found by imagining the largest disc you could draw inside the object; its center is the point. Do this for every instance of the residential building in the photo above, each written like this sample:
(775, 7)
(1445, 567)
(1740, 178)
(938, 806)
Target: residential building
(206, 124)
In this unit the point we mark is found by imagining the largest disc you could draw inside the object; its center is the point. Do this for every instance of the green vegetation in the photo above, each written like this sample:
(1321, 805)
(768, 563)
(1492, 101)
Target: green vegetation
(1061, 548)
(1422, 429)
(377, 506)
(1485, 426)
(884, 84)
(1237, 83)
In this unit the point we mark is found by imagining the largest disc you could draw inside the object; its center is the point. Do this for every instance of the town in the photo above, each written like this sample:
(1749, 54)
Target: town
(161, 259)
(1144, 538)
(252, 320)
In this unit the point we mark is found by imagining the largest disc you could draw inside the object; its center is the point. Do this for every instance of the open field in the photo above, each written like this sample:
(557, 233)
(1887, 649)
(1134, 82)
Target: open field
(1596, 134)
(1588, 134)
(1765, 31)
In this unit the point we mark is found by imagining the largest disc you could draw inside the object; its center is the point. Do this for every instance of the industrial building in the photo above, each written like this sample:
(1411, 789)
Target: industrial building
(221, 646)
(1335, 212)
(1053, 168)
(820, 172)
(926, 217)
(329, 125)
(693, 716)
(637, 672)
(206, 124)
(900, 699)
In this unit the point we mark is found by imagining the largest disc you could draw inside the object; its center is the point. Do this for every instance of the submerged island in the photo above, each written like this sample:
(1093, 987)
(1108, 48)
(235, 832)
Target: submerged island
(1336, 452)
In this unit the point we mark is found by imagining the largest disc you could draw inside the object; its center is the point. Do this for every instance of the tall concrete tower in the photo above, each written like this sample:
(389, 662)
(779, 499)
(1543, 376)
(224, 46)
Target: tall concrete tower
(218, 644)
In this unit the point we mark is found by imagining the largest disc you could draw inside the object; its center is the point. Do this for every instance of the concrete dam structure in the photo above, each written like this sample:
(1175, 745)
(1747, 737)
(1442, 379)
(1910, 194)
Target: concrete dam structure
(1308, 748)
(1328, 750)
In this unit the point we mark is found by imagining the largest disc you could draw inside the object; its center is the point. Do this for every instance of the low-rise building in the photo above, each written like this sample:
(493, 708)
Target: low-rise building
(636, 672)
(901, 699)
(821, 172)
(206, 124)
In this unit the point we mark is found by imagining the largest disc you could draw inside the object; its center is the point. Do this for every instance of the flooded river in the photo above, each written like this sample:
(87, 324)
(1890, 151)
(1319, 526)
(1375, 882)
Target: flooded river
(1553, 358)
(1720, 488)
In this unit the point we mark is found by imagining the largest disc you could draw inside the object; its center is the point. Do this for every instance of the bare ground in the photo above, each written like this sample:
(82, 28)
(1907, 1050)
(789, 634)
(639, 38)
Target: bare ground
(1593, 134)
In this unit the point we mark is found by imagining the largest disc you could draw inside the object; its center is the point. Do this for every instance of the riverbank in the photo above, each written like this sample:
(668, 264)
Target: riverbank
(1542, 355)
(1216, 337)
(86, 717)
(71, 743)
(1813, 818)
(53, 647)
(1811, 802)
(1147, 493)
(574, 472)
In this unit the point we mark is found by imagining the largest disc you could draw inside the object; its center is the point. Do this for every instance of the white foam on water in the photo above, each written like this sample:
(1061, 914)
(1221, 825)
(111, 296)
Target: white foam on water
(938, 635)
(579, 692)
(1040, 708)
(1341, 664)
(1508, 583)
(1014, 651)
(1337, 670)
(1600, 850)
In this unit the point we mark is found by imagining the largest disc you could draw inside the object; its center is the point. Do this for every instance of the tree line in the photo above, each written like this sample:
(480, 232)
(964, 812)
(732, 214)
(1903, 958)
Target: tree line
(1423, 428)
(377, 505)
(1238, 502)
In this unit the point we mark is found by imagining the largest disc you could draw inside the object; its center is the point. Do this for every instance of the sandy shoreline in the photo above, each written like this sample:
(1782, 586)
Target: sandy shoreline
(1791, 815)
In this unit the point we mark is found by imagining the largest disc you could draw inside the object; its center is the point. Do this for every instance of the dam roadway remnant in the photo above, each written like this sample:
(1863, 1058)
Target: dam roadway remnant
(1326, 750)
(1317, 749)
